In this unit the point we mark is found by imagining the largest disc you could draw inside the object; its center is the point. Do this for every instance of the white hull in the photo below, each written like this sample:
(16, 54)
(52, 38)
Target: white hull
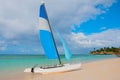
(65, 68)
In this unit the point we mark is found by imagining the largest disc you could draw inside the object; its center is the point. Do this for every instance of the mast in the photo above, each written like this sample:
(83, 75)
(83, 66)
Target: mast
(52, 36)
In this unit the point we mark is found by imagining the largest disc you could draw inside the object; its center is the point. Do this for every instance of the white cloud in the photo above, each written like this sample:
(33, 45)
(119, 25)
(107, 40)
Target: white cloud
(104, 39)
(3, 46)
(19, 19)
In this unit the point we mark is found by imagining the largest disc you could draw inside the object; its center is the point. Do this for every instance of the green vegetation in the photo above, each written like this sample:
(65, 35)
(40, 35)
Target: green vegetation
(107, 51)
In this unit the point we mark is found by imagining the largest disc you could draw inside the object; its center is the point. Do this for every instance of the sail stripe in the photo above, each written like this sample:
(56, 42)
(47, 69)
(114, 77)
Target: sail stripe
(48, 45)
(43, 24)
(43, 13)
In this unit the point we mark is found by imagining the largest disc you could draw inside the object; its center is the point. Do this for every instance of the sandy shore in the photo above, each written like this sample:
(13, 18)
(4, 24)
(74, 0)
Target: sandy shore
(99, 70)
(108, 69)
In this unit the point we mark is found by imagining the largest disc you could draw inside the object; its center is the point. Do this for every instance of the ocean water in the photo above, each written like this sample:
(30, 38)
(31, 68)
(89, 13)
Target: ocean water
(17, 63)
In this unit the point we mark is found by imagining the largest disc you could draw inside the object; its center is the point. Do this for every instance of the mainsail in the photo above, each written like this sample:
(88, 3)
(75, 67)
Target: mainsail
(46, 37)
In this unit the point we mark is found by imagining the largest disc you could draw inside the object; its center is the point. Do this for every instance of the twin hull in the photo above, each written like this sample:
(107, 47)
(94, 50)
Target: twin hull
(65, 68)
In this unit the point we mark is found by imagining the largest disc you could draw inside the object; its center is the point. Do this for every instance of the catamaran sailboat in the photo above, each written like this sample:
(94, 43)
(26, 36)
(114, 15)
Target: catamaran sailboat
(50, 48)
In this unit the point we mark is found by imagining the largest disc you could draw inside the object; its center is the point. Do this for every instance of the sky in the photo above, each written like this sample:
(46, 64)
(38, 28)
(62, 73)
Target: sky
(83, 24)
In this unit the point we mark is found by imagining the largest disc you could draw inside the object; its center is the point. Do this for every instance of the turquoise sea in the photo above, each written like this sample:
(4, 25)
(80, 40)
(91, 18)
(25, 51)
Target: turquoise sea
(17, 63)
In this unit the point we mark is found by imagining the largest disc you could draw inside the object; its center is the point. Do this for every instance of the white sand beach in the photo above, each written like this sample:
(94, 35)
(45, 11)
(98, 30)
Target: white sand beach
(98, 70)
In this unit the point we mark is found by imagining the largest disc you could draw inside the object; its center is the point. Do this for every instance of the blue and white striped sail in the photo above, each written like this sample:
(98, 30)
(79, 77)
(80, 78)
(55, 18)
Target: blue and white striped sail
(46, 35)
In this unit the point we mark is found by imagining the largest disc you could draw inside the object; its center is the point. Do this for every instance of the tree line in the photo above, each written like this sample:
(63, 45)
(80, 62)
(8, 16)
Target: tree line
(106, 50)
